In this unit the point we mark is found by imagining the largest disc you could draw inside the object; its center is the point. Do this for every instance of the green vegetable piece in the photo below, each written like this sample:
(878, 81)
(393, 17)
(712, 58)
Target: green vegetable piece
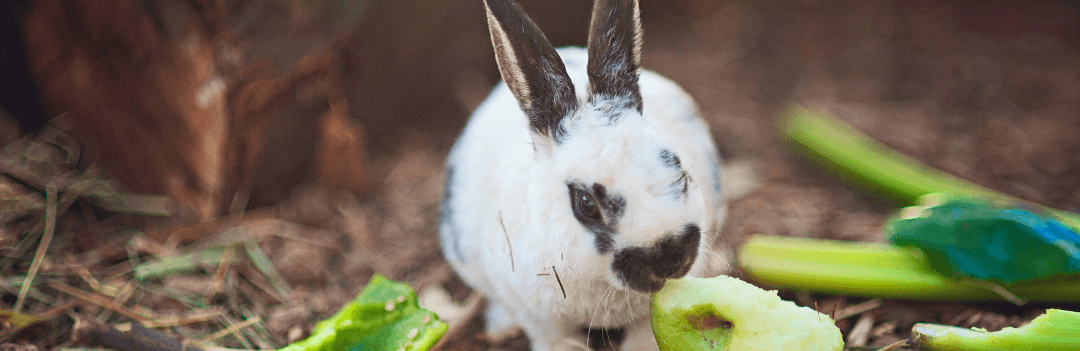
(864, 161)
(874, 270)
(1055, 330)
(725, 313)
(964, 236)
(385, 316)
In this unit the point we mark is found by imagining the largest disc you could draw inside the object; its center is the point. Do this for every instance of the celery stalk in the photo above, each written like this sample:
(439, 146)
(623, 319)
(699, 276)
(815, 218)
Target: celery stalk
(869, 163)
(873, 270)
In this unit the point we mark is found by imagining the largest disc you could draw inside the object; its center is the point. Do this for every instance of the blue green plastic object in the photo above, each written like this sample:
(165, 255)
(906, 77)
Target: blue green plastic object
(995, 241)
(385, 316)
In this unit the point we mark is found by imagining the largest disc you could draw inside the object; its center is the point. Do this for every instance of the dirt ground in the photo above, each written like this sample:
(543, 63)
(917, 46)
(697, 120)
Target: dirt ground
(986, 90)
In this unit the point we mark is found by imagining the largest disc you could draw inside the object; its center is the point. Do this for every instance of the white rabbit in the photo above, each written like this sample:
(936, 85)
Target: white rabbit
(577, 189)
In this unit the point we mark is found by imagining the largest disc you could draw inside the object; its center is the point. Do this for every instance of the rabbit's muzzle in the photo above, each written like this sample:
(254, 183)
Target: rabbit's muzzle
(645, 269)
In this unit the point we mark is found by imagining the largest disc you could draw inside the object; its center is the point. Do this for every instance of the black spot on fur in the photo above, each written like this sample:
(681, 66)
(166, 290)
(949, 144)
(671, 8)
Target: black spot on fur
(450, 233)
(681, 186)
(611, 206)
(603, 338)
(670, 159)
(645, 269)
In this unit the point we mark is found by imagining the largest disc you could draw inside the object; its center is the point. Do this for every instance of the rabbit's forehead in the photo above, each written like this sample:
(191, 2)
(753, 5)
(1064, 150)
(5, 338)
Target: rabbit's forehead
(609, 147)
(614, 144)
(630, 159)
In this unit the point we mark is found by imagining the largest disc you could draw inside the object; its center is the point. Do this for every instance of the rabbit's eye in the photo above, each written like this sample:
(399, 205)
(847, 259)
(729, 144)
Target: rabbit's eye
(584, 206)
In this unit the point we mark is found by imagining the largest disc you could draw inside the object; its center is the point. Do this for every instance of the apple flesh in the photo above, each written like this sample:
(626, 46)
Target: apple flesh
(725, 313)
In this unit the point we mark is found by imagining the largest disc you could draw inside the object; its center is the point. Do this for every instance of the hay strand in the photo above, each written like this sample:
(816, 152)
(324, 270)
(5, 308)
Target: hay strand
(46, 238)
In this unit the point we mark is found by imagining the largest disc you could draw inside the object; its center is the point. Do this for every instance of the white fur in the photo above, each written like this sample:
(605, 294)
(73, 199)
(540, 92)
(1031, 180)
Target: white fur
(501, 178)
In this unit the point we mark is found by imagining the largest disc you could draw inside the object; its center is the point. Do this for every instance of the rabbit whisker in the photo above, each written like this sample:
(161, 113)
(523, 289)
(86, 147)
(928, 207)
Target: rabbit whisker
(718, 263)
(588, 333)
(606, 335)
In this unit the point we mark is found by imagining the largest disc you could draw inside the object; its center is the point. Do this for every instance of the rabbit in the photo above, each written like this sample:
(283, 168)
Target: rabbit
(580, 185)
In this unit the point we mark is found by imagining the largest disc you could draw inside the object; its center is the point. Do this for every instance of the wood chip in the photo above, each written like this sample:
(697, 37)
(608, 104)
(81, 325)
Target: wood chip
(860, 333)
(858, 309)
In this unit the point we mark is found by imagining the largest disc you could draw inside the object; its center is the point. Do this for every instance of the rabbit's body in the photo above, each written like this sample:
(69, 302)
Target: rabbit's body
(650, 203)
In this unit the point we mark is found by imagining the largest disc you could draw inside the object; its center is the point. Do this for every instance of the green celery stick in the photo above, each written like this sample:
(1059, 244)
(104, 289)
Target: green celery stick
(874, 270)
(869, 163)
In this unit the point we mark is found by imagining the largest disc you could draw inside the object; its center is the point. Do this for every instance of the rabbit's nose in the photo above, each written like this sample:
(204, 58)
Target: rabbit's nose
(646, 268)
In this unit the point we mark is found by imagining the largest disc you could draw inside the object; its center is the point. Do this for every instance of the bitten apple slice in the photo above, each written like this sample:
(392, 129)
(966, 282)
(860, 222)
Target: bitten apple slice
(725, 313)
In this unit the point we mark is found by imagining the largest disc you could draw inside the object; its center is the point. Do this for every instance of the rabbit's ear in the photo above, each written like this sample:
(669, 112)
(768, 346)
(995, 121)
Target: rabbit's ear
(531, 68)
(615, 52)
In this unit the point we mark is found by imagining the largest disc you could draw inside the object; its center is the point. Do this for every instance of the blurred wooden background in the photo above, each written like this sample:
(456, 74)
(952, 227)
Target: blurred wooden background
(231, 104)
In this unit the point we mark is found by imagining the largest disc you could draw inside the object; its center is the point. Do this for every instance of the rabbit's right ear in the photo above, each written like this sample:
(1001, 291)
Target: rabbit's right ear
(531, 68)
(615, 52)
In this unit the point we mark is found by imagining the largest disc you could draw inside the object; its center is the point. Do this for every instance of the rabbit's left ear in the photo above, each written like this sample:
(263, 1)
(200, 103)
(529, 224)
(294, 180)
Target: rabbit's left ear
(615, 52)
